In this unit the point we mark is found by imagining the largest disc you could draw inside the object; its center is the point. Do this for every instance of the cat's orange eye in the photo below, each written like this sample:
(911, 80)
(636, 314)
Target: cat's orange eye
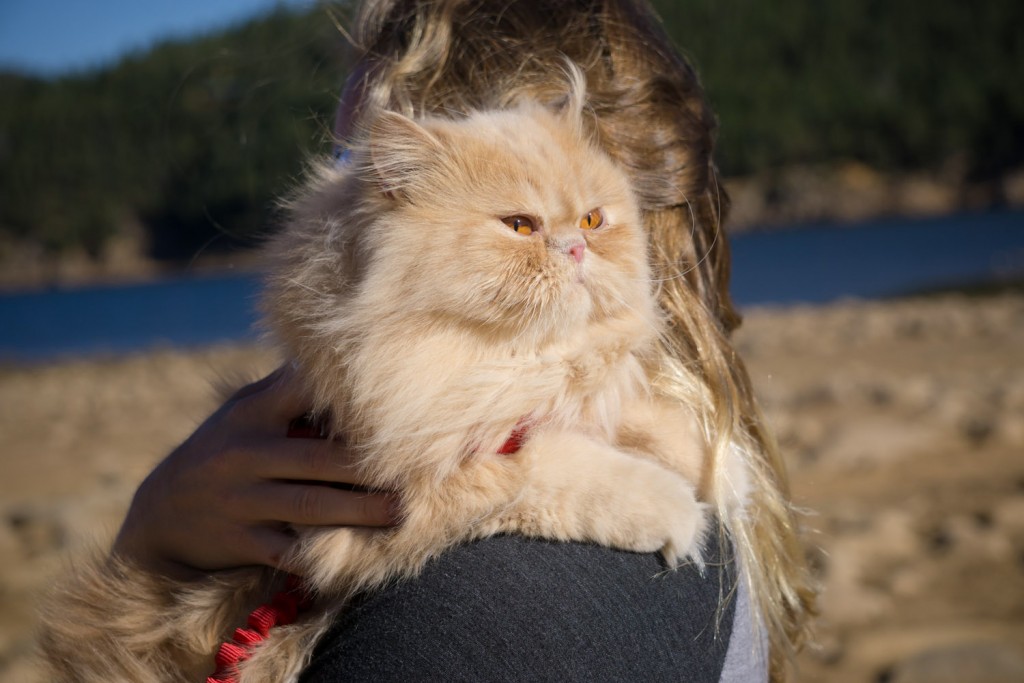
(593, 219)
(521, 224)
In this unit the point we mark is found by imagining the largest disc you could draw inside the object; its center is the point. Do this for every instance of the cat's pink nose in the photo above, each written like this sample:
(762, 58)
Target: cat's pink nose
(577, 251)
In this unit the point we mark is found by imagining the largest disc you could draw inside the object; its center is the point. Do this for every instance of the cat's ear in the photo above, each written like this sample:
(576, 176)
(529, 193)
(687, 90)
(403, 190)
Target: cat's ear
(402, 154)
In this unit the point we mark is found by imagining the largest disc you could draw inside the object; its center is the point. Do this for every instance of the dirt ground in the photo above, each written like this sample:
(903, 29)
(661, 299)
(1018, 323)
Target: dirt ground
(903, 423)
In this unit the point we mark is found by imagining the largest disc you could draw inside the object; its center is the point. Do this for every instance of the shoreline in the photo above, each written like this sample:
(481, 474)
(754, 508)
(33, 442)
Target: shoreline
(850, 192)
(846, 195)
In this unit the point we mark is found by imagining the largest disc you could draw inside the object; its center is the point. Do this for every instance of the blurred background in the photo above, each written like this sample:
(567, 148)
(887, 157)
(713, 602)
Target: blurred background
(874, 153)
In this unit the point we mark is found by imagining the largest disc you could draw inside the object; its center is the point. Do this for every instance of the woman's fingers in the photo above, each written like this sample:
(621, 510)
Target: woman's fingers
(226, 496)
(267, 546)
(273, 400)
(323, 506)
(303, 460)
(312, 505)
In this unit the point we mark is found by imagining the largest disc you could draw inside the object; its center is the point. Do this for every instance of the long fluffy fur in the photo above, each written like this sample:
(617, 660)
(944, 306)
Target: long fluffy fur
(427, 329)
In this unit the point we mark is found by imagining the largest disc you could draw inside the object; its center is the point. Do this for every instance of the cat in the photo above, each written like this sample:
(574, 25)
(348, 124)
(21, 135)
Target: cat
(470, 303)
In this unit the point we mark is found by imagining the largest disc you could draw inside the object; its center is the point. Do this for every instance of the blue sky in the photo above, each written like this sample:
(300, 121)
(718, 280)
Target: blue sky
(51, 37)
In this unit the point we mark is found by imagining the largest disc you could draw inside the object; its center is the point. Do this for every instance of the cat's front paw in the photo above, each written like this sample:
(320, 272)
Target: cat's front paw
(667, 518)
(584, 490)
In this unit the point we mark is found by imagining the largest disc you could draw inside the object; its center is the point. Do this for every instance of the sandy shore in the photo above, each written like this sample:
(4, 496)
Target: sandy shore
(903, 423)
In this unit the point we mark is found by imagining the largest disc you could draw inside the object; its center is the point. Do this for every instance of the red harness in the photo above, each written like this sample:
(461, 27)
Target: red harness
(285, 607)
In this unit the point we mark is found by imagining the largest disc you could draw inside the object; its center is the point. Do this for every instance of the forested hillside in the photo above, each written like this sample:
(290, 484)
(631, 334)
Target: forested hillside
(898, 84)
(191, 141)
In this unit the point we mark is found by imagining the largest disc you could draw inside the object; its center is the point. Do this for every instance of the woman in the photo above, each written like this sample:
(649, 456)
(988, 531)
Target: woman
(603, 614)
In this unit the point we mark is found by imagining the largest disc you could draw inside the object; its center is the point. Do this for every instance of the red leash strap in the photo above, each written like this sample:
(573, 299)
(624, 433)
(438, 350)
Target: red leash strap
(282, 609)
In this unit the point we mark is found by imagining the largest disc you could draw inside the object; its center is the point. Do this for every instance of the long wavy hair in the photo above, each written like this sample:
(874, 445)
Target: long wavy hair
(648, 111)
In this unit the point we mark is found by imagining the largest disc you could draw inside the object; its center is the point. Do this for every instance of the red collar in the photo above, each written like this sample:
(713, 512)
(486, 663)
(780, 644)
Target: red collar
(516, 439)
(310, 427)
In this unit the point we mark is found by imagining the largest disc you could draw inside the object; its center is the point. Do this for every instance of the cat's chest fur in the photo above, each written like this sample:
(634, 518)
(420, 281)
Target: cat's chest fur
(442, 381)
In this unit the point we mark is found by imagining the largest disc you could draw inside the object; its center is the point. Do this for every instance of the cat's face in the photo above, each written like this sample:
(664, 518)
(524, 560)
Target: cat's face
(507, 221)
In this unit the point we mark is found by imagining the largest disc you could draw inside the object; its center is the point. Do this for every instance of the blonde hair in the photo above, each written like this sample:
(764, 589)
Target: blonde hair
(648, 111)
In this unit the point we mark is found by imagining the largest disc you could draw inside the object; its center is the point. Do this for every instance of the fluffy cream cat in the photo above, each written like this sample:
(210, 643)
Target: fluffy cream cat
(457, 283)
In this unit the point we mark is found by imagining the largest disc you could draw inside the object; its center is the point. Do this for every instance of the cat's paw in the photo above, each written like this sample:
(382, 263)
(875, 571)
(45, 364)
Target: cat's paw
(686, 539)
(583, 490)
(665, 518)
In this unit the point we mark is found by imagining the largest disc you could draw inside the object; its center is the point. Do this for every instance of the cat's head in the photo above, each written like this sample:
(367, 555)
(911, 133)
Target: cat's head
(510, 220)
(511, 223)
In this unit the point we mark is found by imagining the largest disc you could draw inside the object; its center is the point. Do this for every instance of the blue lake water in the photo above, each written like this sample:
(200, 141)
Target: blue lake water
(882, 258)
(812, 264)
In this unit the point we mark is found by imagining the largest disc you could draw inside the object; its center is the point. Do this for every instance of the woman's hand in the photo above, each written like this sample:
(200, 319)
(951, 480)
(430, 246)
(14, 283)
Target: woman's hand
(227, 495)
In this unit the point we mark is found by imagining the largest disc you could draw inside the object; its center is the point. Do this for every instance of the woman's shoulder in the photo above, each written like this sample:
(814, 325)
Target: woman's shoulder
(511, 608)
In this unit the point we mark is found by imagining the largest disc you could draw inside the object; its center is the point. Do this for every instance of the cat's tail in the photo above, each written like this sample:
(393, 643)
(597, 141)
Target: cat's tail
(109, 620)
